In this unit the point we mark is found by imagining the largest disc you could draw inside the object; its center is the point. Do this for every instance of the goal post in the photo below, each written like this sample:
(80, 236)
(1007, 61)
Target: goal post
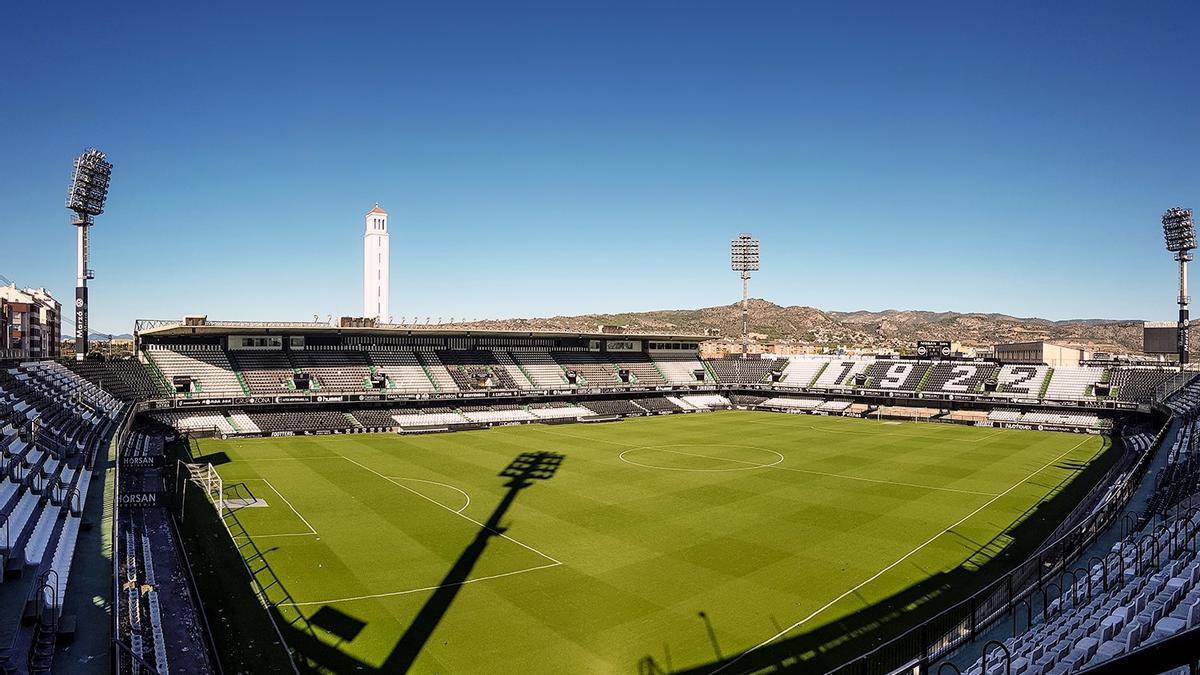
(206, 478)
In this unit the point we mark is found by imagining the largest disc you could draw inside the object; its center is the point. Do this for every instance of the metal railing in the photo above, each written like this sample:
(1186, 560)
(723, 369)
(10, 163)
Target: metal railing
(1173, 384)
(116, 445)
(210, 484)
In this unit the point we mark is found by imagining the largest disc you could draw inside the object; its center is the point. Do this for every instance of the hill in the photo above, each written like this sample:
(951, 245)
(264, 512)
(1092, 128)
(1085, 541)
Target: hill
(888, 329)
(100, 337)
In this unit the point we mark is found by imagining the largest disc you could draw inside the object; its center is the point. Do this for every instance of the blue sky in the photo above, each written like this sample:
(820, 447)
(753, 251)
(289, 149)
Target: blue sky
(570, 158)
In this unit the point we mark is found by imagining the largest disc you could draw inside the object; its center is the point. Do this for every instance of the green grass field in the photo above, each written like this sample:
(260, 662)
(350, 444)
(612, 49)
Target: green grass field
(414, 552)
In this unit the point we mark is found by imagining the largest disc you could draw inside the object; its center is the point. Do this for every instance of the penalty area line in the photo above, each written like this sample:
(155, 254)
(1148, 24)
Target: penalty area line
(311, 530)
(457, 513)
(372, 596)
(434, 482)
(307, 524)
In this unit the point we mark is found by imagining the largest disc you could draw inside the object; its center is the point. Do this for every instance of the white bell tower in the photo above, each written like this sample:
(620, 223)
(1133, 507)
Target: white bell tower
(375, 266)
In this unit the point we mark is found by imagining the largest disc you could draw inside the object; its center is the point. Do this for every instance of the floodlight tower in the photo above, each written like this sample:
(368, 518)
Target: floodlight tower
(743, 257)
(89, 189)
(1180, 232)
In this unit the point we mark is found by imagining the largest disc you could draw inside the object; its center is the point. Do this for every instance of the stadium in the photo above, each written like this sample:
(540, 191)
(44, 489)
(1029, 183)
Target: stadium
(362, 496)
(732, 488)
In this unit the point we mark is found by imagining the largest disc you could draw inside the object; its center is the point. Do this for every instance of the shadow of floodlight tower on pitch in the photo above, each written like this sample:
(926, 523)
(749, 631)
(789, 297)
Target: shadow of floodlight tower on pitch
(525, 470)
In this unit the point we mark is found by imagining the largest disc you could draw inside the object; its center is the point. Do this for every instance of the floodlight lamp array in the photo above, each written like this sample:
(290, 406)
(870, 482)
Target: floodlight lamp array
(743, 254)
(89, 183)
(1179, 229)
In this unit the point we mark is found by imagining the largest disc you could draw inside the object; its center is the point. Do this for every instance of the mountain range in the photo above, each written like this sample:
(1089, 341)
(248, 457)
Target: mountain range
(887, 329)
(100, 337)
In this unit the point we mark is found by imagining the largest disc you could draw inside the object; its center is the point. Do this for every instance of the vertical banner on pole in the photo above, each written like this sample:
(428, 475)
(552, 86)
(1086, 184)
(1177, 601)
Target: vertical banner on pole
(1184, 340)
(81, 322)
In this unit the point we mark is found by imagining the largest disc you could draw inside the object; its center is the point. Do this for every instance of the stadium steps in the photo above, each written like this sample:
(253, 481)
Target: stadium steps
(1046, 383)
(242, 381)
(353, 422)
(524, 372)
(712, 374)
(428, 374)
(508, 363)
(1090, 390)
(924, 378)
(232, 423)
(994, 375)
(314, 384)
(818, 375)
(157, 375)
(659, 371)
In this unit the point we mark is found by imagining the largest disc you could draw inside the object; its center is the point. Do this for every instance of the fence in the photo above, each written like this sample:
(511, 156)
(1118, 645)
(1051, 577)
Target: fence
(1176, 382)
(123, 658)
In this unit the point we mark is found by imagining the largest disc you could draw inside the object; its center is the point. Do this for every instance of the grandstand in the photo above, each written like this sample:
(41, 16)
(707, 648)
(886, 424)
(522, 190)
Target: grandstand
(959, 378)
(742, 371)
(841, 373)
(896, 375)
(56, 429)
(244, 367)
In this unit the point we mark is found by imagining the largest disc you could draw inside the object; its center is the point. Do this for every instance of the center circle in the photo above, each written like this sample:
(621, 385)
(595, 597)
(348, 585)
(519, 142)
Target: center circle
(701, 457)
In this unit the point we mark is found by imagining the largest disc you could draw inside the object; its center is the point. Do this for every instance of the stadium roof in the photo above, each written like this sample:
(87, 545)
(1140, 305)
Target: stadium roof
(167, 328)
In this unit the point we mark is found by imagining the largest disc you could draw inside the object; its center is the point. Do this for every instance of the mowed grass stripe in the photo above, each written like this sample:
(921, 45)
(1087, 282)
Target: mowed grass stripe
(644, 550)
(406, 531)
(867, 460)
(901, 559)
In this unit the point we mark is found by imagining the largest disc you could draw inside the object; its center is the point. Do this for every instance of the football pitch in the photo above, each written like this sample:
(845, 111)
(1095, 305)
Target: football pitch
(583, 548)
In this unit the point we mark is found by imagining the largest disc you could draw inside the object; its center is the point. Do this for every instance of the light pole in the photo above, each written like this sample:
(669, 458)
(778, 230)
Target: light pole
(1179, 230)
(743, 257)
(89, 189)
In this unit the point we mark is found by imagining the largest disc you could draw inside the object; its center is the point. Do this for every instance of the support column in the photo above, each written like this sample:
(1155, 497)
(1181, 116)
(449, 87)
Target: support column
(82, 222)
(745, 315)
(1184, 341)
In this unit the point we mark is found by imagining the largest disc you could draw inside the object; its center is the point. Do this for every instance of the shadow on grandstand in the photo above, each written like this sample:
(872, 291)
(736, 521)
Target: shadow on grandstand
(830, 645)
(317, 655)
